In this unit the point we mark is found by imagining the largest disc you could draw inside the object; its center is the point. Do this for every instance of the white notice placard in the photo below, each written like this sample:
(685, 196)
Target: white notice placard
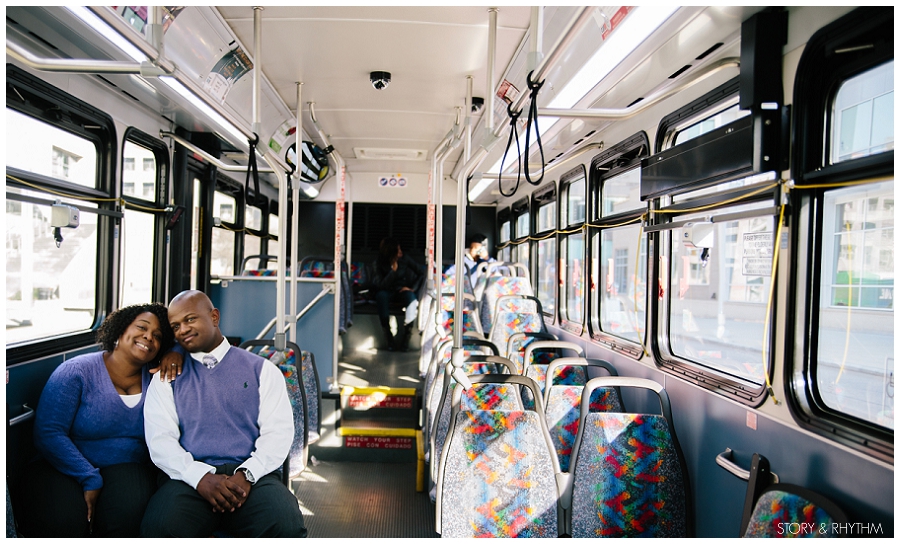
(757, 254)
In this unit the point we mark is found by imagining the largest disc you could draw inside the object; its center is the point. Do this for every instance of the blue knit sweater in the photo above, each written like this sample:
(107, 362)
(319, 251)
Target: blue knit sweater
(82, 425)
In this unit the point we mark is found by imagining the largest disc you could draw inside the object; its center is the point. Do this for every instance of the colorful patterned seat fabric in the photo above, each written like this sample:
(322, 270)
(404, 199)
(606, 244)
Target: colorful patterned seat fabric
(562, 415)
(497, 286)
(776, 509)
(510, 322)
(498, 478)
(627, 479)
(287, 364)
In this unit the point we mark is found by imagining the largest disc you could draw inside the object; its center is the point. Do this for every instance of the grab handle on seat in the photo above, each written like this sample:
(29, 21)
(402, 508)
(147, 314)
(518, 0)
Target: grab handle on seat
(724, 460)
(24, 416)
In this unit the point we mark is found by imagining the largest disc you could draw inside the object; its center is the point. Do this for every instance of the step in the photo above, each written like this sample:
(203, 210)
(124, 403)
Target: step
(379, 407)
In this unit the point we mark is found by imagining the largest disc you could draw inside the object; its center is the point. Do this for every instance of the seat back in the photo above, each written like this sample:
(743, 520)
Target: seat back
(497, 471)
(628, 477)
(770, 508)
(496, 287)
(296, 389)
(510, 322)
(485, 397)
(515, 350)
(316, 267)
(562, 404)
(537, 358)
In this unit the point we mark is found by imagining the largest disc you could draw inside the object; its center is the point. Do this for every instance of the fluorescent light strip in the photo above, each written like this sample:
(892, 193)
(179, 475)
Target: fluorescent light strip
(185, 93)
(636, 28)
(107, 32)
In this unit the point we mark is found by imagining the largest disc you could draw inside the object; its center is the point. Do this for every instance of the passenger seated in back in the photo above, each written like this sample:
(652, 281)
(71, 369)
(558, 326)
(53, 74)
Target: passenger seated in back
(220, 432)
(96, 476)
(397, 279)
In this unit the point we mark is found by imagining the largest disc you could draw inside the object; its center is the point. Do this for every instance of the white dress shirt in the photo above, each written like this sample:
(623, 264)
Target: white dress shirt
(276, 427)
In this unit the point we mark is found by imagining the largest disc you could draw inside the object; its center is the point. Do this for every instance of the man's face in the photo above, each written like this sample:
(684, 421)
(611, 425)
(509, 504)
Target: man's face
(476, 250)
(195, 323)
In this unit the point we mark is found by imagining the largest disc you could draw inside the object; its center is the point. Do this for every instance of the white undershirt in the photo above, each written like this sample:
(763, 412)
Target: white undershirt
(131, 400)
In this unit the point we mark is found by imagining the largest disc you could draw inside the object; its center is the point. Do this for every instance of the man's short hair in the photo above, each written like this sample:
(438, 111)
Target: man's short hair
(475, 238)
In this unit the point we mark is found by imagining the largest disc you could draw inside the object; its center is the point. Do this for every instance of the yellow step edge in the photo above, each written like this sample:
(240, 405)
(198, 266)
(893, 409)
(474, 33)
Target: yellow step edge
(357, 431)
(394, 391)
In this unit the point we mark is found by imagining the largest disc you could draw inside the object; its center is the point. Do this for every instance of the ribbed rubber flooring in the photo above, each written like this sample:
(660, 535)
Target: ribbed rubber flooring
(363, 500)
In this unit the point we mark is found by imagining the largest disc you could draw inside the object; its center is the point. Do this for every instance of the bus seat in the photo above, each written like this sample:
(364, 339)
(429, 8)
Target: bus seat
(434, 379)
(628, 477)
(313, 394)
(294, 381)
(515, 351)
(539, 355)
(511, 322)
(485, 397)
(10, 520)
(316, 267)
(498, 286)
(497, 471)
(562, 404)
(771, 507)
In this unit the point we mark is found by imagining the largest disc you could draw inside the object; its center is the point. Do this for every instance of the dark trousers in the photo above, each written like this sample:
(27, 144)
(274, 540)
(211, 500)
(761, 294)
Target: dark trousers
(383, 301)
(178, 510)
(51, 504)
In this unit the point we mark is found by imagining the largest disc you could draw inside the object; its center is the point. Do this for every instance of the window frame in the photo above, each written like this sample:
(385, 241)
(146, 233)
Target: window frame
(80, 118)
(232, 188)
(820, 74)
(545, 196)
(618, 159)
(504, 217)
(567, 229)
(692, 195)
(161, 155)
(518, 209)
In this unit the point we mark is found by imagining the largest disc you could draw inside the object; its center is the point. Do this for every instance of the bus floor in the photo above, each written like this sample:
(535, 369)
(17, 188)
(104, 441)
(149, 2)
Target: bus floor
(370, 493)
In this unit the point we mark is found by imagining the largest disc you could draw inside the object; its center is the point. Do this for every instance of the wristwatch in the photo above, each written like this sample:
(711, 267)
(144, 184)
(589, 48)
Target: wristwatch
(247, 475)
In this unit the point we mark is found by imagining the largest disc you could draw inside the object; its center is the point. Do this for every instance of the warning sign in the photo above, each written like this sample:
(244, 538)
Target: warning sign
(379, 442)
(367, 401)
(757, 254)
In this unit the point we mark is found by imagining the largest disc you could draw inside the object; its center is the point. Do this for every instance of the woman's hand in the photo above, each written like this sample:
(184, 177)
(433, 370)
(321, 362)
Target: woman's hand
(90, 498)
(169, 367)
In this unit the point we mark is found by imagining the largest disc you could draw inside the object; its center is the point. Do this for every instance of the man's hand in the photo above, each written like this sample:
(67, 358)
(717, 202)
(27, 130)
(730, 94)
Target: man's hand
(169, 367)
(224, 493)
(90, 498)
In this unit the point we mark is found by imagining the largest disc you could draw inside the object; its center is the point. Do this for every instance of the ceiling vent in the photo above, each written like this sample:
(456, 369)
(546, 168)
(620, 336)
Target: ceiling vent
(386, 154)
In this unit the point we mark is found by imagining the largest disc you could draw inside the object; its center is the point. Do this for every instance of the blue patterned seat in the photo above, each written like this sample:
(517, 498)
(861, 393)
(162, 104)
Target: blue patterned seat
(627, 475)
(517, 343)
(510, 322)
(770, 508)
(539, 355)
(485, 397)
(562, 404)
(498, 472)
(499, 286)
(304, 395)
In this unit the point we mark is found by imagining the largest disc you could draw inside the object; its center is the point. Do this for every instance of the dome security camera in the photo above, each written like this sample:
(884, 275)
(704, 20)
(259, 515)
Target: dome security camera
(380, 80)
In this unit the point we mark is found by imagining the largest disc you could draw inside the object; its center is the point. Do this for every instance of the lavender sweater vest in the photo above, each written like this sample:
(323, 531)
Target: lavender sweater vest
(218, 409)
(82, 425)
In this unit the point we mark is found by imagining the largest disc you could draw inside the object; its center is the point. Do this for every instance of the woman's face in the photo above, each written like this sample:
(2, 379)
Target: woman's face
(142, 339)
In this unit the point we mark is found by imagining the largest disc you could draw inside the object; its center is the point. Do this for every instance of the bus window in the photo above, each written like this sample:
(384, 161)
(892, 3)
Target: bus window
(252, 234)
(521, 249)
(51, 288)
(573, 250)
(138, 225)
(717, 297)
(504, 240)
(863, 114)
(222, 255)
(546, 279)
(619, 247)
(40, 148)
(854, 363)
(196, 234)
(272, 246)
(710, 123)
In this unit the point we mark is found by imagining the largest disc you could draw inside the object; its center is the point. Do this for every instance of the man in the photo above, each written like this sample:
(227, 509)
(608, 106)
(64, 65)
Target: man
(475, 254)
(219, 432)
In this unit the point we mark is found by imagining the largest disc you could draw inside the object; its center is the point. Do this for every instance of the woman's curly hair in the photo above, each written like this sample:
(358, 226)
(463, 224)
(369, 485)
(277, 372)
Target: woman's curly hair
(118, 321)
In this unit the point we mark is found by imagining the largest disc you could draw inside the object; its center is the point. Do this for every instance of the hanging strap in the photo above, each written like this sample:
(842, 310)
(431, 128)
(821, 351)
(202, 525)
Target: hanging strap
(533, 118)
(513, 133)
(256, 198)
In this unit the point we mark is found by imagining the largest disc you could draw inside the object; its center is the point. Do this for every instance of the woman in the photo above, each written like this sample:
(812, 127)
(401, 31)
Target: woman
(96, 476)
(397, 279)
